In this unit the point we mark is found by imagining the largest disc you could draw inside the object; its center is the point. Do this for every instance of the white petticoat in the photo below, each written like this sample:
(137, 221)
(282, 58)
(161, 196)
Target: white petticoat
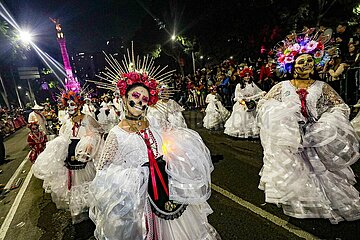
(242, 124)
(216, 114)
(50, 167)
(120, 202)
(308, 174)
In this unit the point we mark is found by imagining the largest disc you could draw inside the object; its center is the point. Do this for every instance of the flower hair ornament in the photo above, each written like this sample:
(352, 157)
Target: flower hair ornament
(131, 70)
(308, 42)
(77, 97)
(245, 71)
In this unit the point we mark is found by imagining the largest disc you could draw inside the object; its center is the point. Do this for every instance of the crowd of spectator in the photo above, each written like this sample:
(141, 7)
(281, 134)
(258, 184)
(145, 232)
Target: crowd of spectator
(341, 71)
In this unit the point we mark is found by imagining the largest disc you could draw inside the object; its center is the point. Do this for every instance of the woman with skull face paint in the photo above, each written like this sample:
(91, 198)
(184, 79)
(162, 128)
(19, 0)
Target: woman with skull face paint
(139, 189)
(308, 141)
(36, 140)
(242, 122)
(67, 165)
(216, 113)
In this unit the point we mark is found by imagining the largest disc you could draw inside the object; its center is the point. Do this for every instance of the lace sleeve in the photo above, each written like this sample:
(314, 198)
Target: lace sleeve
(331, 96)
(109, 151)
(274, 93)
(330, 100)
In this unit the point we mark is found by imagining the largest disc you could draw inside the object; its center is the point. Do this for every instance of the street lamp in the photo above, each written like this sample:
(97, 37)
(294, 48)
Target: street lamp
(19, 87)
(173, 37)
(25, 36)
(201, 57)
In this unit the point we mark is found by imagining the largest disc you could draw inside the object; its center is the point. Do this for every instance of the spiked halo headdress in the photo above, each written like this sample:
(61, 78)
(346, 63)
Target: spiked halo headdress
(131, 70)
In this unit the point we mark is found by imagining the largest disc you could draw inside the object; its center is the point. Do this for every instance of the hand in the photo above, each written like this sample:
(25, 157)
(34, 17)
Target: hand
(338, 40)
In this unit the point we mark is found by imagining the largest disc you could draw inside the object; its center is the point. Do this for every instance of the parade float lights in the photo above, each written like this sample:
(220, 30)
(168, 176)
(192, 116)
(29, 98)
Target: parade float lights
(26, 36)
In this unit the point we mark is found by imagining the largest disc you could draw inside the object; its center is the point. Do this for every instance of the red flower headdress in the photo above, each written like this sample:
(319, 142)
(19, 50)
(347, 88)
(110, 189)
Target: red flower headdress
(122, 75)
(245, 71)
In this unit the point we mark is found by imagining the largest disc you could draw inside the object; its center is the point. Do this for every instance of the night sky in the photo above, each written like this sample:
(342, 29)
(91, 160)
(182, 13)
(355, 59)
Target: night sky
(87, 24)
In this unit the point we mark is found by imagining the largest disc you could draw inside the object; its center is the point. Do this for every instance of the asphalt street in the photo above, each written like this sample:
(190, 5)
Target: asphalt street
(238, 204)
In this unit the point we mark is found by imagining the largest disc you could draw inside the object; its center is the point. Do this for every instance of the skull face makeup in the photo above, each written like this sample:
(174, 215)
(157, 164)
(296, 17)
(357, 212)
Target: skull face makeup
(35, 128)
(136, 101)
(72, 107)
(304, 66)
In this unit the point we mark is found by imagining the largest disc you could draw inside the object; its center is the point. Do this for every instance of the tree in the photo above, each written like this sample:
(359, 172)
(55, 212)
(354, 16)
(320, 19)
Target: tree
(13, 50)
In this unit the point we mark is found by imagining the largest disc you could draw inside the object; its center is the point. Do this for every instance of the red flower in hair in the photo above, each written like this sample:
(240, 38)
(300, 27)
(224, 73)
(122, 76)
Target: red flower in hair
(122, 86)
(152, 84)
(152, 92)
(153, 100)
(135, 77)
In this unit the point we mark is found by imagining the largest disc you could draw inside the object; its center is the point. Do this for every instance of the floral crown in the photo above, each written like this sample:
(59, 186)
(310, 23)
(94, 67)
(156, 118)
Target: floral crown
(133, 71)
(245, 71)
(128, 79)
(71, 95)
(316, 44)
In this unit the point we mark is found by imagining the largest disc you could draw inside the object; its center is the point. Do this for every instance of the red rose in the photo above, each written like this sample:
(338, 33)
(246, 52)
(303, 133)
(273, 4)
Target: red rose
(146, 83)
(129, 82)
(153, 100)
(153, 92)
(121, 84)
(152, 84)
(135, 77)
(122, 92)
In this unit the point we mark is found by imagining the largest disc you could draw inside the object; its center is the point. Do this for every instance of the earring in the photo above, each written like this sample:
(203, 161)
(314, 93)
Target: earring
(295, 75)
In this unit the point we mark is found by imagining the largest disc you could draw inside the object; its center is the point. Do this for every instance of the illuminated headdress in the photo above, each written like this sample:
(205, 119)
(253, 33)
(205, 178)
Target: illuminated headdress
(134, 71)
(309, 42)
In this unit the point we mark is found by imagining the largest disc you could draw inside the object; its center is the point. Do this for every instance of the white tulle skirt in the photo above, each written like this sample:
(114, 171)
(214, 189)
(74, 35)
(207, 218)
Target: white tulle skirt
(216, 114)
(69, 188)
(308, 173)
(242, 124)
(120, 204)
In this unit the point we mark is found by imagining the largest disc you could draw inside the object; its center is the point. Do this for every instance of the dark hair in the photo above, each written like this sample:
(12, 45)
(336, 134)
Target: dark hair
(134, 86)
(242, 82)
(344, 24)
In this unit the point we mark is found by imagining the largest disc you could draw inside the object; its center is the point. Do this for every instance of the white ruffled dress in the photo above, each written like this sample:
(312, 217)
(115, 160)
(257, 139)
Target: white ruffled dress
(69, 188)
(108, 121)
(216, 113)
(121, 207)
(167, 114)
(307, 166)
(242, 123)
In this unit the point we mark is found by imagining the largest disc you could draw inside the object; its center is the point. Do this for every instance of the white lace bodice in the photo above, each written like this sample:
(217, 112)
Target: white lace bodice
(128, 149)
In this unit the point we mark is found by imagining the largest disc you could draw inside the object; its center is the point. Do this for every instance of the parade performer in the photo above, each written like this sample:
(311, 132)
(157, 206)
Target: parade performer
(242, 122)
(67, 163)
(216, 113)
(152, 183)
(167, 111)
(118, 104)
(107, 117)
(36, 116)
(88, 107)
(36, 140)
(307, 138)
